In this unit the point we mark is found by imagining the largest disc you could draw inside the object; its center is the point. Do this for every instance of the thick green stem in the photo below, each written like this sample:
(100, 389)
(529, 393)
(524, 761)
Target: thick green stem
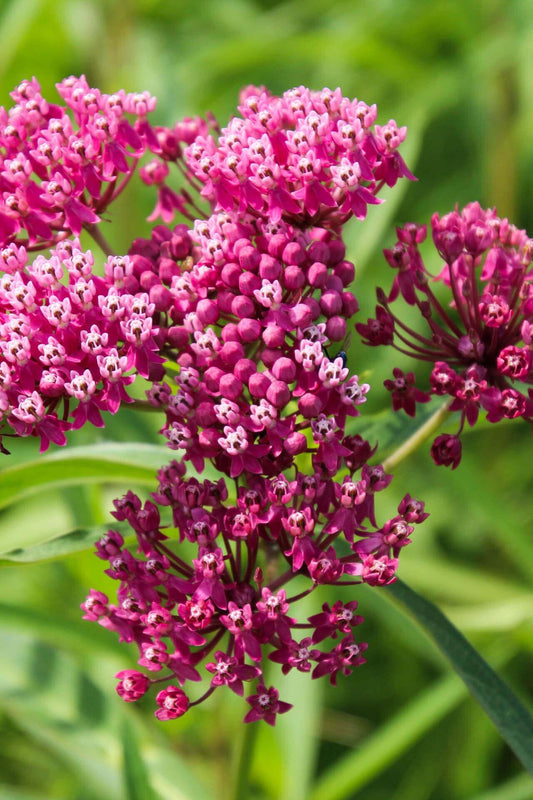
(243, 761)
(418, 437)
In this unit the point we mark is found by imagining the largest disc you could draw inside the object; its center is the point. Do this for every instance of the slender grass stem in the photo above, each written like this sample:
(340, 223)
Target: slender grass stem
(419, 437)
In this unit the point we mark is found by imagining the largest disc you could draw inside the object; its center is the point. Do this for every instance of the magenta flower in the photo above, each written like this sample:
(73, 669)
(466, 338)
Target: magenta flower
(172, 702)
(132, 685)
(265, 705)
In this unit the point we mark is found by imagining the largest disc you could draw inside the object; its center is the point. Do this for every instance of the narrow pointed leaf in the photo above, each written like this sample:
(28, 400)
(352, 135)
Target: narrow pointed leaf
(117, 463)
(508, 714)
(71, 542)
(387, 744)
(135, 773)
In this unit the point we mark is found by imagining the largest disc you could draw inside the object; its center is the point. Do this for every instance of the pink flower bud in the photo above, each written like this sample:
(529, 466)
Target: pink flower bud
(148, 279)
(249, 330)
(317, 274)
(224, 300)
(231, 352)
(345, 270)
(278, 394)
(212, 377)
(249, 283)
(331, 303)
(208, 441)
(205, 415)
(177, 336)
(258, 384)
(249, 258)
(337, 251)
(230, 275)
(167, 269)
(230, 333)
(161, 297)
(293, 253)
(244, 369)
(207, 311)
(284, 370)
(350, 306)
(230, 387)
(336, 329)
(295, 443)
(242, 306)
(310, 405)
(269, 268)
(301, 315)
(319, 251)
(273, 336)
(293, 278)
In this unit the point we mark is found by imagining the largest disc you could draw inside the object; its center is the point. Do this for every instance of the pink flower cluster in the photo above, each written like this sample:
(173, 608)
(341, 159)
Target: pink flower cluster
(252, 303)
(69, 341)
(480, 343)
(215, 604)
(249, 306)
(61, 166)
(310, 158)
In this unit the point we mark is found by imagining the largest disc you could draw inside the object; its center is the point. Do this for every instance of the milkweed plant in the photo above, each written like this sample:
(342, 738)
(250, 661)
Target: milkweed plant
(233, 311)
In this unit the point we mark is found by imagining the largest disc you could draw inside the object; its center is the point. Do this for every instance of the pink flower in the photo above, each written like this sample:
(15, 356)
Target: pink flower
(172, 702)
(265, 705)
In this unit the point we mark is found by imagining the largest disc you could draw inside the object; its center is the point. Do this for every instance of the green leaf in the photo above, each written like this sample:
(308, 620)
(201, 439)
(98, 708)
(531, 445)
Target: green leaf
(72, 542)
(110, 462)
(389, 742)
(135, 773)
(508, 714)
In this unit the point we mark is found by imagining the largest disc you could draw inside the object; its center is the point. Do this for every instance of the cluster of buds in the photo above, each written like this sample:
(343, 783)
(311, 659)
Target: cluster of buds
(480, 343)
(216, 607)
(61, 166)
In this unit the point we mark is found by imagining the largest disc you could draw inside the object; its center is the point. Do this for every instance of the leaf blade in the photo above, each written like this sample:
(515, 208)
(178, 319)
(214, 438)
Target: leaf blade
(509, 715)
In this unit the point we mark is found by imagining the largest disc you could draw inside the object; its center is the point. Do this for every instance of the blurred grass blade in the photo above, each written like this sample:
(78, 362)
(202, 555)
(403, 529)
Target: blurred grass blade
(510, 717)
(135, 773)
(388, 743)
(518, 788)
(71, 542)
(80, 636)
(117, 463)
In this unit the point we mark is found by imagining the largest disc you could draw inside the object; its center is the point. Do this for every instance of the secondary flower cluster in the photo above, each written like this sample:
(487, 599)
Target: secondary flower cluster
(210, 599)
(311, 158)
(481, 345)
(61, 166)
(68, 341)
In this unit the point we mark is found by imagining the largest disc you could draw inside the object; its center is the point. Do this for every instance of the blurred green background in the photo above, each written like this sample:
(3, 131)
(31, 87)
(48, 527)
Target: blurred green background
(402, 727)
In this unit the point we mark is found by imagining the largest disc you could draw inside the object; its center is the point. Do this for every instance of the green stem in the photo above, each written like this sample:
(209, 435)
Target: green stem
(99, 238)
(144, 405)
(243, 761)
(418, 437)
